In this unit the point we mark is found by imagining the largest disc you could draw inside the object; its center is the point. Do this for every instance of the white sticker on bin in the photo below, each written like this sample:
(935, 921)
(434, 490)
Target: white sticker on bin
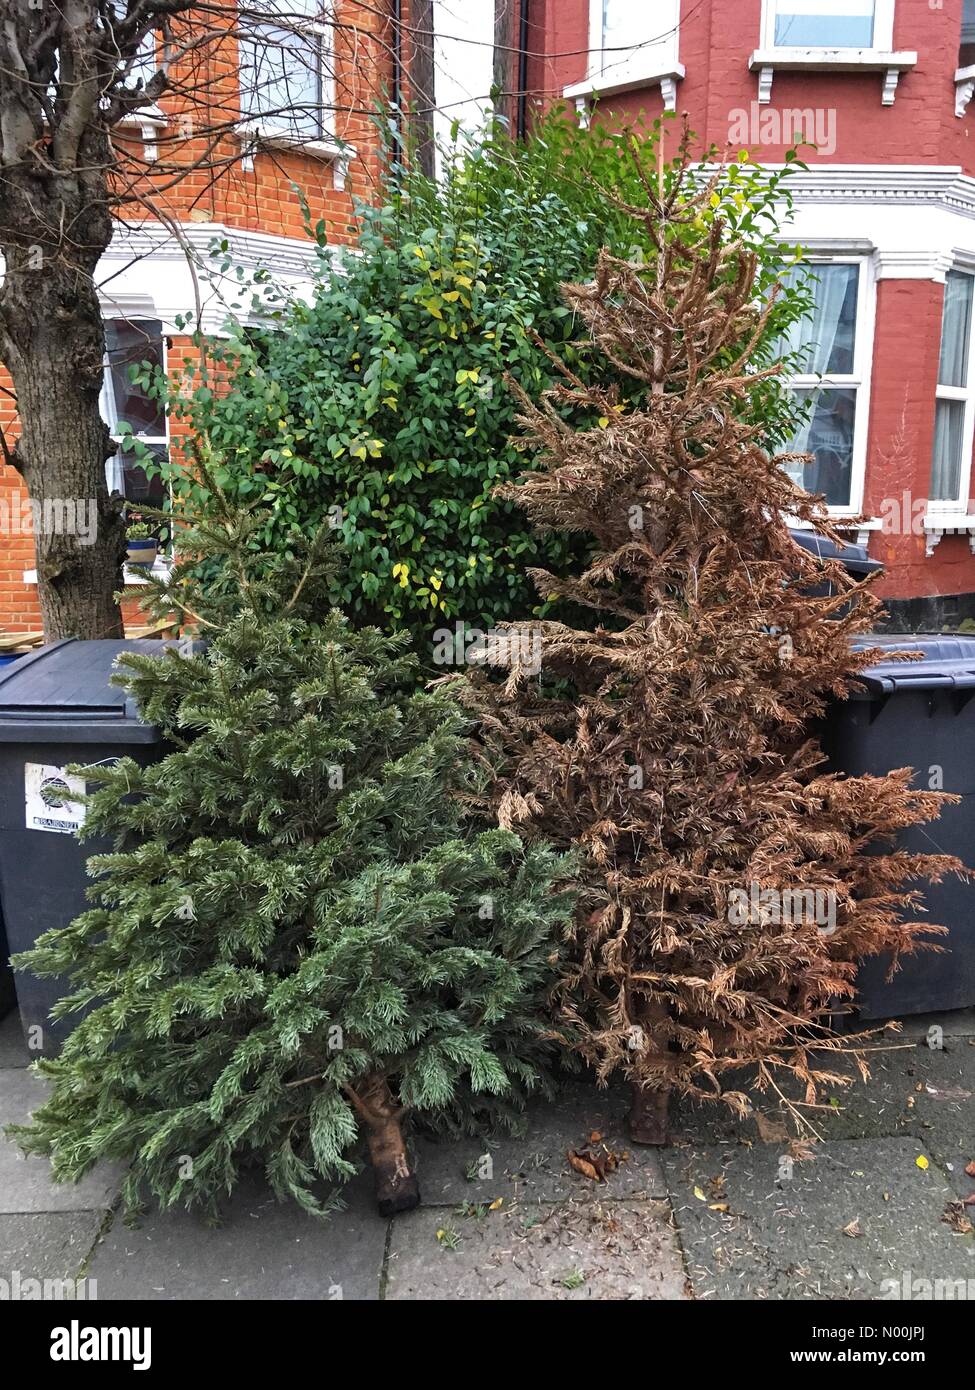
(47, 795)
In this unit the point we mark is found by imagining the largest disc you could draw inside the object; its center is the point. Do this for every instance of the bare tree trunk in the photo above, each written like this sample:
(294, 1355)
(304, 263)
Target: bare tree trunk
(397, 1189)
(54, 350)
(423, 86)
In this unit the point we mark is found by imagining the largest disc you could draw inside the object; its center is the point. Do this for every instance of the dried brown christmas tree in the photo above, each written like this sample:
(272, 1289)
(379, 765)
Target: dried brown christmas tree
(672, 743)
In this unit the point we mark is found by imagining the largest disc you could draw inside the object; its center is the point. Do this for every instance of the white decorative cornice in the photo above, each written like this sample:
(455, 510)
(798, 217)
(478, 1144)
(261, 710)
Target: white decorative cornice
(290, 255)
(905, 185)
(896, 264)
(151, 271)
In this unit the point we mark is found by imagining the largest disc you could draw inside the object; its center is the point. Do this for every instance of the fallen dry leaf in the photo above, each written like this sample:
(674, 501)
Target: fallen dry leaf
(970, 1168)
(699, 1195)
(593, 1165)
(853, 1229)
(955, 1218)
(582, 1163)
(717, 1206)
(770, 1131)
(595, 1137)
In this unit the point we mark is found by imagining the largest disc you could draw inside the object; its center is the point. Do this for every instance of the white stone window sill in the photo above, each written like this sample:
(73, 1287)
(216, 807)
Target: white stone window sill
(149, 121)
(947, 523)
(255, 134)
(769, 60)
(161, 568)
(666, 78)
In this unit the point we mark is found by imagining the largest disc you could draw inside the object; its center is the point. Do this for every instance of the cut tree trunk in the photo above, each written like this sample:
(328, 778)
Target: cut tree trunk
(397, 1189)
(649, 1114)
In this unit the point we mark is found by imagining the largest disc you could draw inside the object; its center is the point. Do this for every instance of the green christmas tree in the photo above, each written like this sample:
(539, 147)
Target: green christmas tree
(295, 944)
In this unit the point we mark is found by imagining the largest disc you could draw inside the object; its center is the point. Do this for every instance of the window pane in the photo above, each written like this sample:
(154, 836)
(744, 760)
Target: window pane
(968, 22)
(281, 79)
(828, 436)
(826, 339)
(650, 30)
(949, 430)
(125, 476)
(824, 23)
(131, 341)
(956, 320)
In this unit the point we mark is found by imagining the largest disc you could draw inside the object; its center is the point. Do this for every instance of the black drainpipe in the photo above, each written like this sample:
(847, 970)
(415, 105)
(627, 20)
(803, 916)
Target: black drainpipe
(397, 69)
(522, 71)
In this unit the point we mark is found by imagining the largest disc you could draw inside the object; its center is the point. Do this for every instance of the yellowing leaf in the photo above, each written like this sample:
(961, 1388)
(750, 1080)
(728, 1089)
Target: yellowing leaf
(603, 421)
(699, 1195)
(497, 1204)
(921, 1162)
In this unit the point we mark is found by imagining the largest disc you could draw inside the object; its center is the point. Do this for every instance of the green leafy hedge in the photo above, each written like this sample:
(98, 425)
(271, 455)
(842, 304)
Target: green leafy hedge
(383, 403)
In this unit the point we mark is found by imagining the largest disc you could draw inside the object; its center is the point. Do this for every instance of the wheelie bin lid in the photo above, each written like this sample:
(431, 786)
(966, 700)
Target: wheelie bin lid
(853, 557)
(62, 694)
(948, 662)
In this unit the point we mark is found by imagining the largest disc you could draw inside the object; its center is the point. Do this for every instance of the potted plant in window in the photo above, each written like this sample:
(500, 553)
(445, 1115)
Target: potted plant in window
(142, 547)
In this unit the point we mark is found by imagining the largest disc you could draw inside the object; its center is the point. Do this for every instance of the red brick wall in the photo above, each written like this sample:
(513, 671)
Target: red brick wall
(716, 40)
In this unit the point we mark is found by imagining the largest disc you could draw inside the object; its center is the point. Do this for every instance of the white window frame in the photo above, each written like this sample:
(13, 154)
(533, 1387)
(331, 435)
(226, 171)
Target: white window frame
(879, 57)
(614, 73)
(109, 413)
(883, 29)
(858, 379)
(255, 131)
(965, 394)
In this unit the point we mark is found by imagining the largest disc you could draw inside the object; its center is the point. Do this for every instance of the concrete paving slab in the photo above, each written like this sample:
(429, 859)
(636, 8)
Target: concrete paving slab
(25, 1183)
(571, 1250)
(534, 1167)
(265, 1250)
(854, 1222)
(916, 1090)
(13, 1052)
(46, 1245)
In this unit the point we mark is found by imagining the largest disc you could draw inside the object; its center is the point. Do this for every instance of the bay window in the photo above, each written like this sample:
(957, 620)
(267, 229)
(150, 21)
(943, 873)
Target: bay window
(832, 378)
